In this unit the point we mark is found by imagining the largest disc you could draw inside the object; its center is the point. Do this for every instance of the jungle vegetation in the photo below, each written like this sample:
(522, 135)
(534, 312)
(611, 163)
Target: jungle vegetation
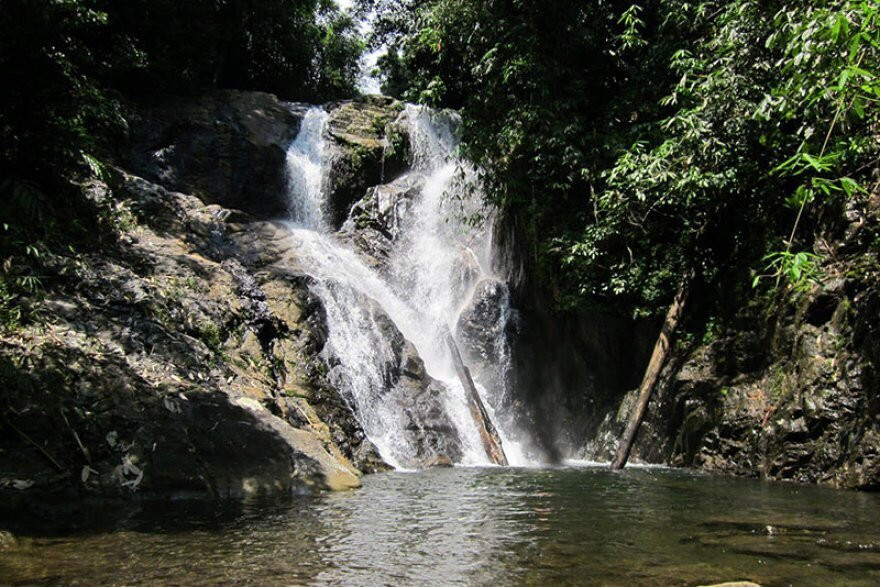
(70, 66)
(630, 143)
(635, 142)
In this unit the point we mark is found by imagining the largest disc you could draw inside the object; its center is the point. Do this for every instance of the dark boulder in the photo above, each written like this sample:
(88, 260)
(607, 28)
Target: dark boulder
(429, 428)
(226, 148)
(375, 221)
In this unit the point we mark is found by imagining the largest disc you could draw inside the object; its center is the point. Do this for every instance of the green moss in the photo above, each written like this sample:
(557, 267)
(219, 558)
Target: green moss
(212, 335)
(778, 383)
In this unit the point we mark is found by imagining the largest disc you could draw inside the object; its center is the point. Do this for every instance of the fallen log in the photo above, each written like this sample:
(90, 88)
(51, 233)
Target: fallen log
(488, 434)
(652, 374)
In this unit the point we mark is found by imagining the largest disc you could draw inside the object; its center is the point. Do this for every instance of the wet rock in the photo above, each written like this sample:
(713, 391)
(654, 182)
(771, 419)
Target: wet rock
(485, 331)
(359, 153)
(7, 540)
(166, 366)
(481, 327)
(386, 206)
(367, 458)
(439, 462)
(803, 411)
(422, 422)
(430, 430)
(374, 222)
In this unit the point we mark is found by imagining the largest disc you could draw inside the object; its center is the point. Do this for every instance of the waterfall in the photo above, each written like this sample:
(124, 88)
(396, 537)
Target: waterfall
(437, 264)
(306, 170)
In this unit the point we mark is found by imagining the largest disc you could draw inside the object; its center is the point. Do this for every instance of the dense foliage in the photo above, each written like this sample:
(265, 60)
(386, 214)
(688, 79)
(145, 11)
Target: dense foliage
(67, 66)
(635, 143)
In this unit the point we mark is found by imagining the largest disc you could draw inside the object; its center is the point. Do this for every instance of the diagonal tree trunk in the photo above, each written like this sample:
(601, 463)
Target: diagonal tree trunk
(652, 373)
(488, 434)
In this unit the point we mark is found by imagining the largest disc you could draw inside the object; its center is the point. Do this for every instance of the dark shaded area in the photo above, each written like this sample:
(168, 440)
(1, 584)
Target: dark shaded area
(194, 443)
(571, 370)
(70, 71)
(227, 148)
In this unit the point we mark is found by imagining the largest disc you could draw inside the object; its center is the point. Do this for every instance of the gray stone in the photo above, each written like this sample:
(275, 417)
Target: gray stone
(227, 148)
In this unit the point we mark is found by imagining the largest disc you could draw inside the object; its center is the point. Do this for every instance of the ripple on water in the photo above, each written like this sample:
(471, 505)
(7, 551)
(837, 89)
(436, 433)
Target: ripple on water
(566, 525)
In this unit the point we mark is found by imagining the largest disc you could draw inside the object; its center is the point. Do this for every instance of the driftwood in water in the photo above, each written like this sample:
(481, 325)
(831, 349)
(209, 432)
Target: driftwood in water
(652, 374)
(488, 434)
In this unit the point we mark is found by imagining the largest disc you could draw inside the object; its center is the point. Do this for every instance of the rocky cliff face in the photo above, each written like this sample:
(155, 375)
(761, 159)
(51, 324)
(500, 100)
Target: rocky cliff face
(226, 148)
(189, 356)
(184, 362)
(790, 391)
(186, 358)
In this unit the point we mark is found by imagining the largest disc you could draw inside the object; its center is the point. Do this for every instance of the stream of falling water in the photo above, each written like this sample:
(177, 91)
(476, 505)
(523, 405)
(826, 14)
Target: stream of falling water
(435, 267)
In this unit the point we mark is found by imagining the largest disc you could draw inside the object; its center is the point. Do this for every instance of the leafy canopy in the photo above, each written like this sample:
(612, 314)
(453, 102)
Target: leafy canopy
(634, 142)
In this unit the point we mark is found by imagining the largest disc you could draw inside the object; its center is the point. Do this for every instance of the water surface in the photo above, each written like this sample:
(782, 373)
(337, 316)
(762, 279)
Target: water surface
(562, 526)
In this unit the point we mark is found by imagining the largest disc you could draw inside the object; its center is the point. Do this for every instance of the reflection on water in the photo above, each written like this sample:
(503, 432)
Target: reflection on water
(475, 527)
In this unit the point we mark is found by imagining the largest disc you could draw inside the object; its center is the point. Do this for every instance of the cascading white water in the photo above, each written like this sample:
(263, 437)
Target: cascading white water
(305, 172)
(434, 268)
(444, 252)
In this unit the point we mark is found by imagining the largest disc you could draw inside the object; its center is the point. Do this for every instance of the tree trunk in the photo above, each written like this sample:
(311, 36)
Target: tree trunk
(488, 434)
(652, 374)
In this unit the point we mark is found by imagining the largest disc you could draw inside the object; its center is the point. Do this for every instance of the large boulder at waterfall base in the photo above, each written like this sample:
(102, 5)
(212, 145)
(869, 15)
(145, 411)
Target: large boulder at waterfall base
(430, 430)
(413, 403)
(182, 361)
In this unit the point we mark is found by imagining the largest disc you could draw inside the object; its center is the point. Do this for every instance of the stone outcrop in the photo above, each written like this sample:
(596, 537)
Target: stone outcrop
(187, 358)
(361, 154)
(226, 148)
(482, 328)
(420, 397)
(787, 391)
(183, 360)
(374, 222)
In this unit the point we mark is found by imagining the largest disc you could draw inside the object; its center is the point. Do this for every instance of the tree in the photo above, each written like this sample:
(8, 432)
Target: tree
(634, 141)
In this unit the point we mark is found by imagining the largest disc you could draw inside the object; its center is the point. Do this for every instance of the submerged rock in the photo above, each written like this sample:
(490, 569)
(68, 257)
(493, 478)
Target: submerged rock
(439, 462)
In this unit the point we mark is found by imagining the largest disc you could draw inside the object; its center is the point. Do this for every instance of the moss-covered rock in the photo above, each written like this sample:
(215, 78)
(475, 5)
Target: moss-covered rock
(789, 391)
(361, 154)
